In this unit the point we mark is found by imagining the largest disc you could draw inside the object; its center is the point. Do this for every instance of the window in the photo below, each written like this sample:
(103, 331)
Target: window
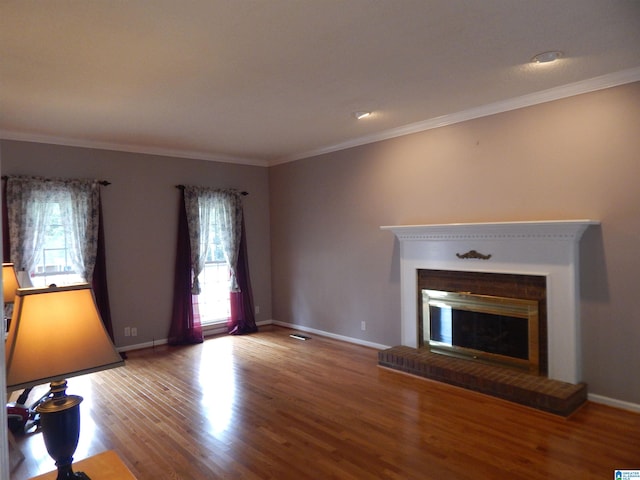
(207, 288)
(53, 229)
(214, 224)
(53, 261)
(213, 301)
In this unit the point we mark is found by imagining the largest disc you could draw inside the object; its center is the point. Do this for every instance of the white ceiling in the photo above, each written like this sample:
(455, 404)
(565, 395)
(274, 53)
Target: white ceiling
(267, 81)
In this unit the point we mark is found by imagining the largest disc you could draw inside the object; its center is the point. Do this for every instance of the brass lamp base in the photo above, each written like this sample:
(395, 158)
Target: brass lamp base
(60, 422)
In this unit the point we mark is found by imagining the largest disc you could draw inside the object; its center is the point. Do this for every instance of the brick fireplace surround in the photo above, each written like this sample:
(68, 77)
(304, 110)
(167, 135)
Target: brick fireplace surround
(543, 248)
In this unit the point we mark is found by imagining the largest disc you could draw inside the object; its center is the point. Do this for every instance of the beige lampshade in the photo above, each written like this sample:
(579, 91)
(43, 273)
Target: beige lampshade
(9, 282)
(56, 333)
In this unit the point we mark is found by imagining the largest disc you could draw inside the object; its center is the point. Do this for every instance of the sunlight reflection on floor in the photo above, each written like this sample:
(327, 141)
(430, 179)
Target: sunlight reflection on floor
(218, 384)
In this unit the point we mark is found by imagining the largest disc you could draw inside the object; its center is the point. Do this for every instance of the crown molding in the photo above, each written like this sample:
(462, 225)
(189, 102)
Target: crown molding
(557, 93)
(164, 152)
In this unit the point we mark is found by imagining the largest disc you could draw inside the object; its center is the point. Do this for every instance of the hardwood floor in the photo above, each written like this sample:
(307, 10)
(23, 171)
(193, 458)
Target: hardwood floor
(266, 406)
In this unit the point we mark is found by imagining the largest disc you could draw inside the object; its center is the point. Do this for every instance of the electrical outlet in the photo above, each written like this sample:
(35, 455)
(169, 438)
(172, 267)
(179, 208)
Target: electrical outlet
(363, 325)
(134, 332)
(257, 309)
(127, 331)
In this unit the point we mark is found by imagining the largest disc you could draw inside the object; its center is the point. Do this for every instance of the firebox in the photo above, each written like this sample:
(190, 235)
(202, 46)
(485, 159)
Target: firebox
(484, 328)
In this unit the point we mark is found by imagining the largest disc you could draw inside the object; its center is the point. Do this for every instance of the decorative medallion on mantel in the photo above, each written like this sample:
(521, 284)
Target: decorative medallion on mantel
(473, 254)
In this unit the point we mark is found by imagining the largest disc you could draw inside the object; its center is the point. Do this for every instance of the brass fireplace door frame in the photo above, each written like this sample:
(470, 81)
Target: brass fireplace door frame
(511, 307)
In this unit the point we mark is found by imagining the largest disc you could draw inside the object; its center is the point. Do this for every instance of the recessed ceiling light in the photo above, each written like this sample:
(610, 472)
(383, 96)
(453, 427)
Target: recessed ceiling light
(361, 115)
(547, 57)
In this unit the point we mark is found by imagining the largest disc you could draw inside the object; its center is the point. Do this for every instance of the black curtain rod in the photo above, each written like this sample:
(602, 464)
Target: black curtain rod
(101, 182)
(243, 193)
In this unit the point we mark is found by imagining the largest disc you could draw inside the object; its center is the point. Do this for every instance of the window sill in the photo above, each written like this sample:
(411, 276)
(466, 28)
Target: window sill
(214, 328)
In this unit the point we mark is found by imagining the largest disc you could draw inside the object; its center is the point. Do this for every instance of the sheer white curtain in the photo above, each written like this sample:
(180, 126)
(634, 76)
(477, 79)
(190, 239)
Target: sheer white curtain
(30, 204)
(199, 213)
(213, 212)
(228, 212)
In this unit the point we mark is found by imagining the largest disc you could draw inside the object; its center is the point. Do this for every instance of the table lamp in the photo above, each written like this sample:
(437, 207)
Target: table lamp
(9, 282)
(56, 333)
(9, 287)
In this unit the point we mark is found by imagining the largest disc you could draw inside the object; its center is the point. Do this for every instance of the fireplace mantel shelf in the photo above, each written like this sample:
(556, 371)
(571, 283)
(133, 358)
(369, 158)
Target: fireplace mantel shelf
(568, 230)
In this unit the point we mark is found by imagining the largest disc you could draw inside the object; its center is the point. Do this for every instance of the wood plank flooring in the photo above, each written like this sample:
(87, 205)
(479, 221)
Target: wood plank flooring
(266, 406)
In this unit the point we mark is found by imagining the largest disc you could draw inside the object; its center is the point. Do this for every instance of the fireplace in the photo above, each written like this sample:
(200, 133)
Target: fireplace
(486, 317)
(514, 254)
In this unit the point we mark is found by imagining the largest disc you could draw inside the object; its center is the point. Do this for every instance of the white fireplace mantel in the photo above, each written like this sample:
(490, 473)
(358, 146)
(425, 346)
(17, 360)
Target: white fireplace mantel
(546, 248)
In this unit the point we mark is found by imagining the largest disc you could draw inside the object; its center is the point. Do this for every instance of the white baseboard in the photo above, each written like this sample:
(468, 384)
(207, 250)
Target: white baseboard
(612, 402)
(322, 333)
(207, 331)
(139, 346)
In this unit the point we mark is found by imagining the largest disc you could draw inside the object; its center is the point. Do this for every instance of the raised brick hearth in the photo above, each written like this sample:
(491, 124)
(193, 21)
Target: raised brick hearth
(539, 392)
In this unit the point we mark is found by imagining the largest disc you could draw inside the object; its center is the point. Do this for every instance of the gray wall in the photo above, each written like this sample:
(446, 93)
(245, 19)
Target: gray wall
(313, 224)
(141, 215)
(570, 159)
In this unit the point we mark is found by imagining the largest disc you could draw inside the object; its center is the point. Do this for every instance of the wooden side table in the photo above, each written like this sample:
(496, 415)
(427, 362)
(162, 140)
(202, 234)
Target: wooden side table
(104, 466)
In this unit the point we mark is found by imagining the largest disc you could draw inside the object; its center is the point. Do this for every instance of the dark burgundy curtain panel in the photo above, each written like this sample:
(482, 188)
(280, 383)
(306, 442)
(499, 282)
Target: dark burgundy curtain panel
(99, 280)
(185, 323)
(242, 320)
